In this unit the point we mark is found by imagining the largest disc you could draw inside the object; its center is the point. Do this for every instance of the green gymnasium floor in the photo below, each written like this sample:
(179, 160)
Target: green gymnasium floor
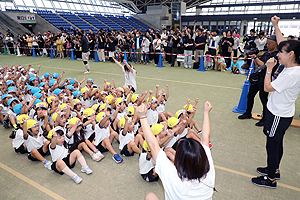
(238, 146)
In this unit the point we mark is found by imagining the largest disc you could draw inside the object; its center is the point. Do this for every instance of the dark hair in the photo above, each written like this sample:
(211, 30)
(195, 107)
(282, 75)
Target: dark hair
(252, 30)
(190, 160)
(217, 31)
(291, 45)
(229, 31)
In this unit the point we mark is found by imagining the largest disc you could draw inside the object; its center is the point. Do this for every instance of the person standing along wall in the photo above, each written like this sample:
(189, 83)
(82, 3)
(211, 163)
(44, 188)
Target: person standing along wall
(85, 51)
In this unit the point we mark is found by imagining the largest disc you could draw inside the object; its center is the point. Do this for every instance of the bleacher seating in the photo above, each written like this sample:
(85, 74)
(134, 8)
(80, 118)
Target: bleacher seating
(126, 26)
(54, 19)
(139, 23)
(108, 22)
(77, 21)
(92, 20)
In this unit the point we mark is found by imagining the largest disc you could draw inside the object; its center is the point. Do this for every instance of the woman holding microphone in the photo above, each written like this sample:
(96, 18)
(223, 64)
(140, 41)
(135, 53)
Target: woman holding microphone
(281, 105)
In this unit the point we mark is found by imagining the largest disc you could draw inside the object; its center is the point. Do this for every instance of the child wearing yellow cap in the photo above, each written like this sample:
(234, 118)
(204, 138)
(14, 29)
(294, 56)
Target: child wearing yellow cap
(104, 135)
(18, 141)
(62, 160)
(37, 145)
(152, 113)
(161, 104)
(147, 164)
(128, 142)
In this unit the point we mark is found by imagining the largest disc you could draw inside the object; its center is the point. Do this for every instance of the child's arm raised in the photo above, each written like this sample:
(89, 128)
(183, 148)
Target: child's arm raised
(149, 136)
(157, 91)
(113, 80)
(205, 137)
(126, 125)
(114, 116)
(104, 120)
(82, 80)
(141, 98)
(56, 123)
(73, 129)
(188, 105)
(117, 62)
(53, 140)
(128, 66)
(167, 93)
(196, 102)
(25, 134)
(129, 98)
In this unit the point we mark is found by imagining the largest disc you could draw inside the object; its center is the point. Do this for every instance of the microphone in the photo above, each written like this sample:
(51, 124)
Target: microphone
(260, 68)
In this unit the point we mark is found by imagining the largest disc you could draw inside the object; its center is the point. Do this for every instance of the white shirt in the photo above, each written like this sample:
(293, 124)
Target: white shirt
(101, 134)
(155, 43)
(161, 107)
(130, 78)
(89, 130)
(4, 110)
(213, 44)
(287, 88)
(177, 189)
(19, 139)
(34, 142)
(163, 36)
(260, 43)
(144, 164)
(125, 139)
(59, 152)
(146, 47)
(152, 116)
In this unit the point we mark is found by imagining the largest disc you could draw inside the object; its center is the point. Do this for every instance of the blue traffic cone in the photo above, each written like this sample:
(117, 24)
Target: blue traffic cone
(52, 55)
(201, 67)
(96, 56)
(125, 57)
(242, 107)
(33, 53)
(160, 63)
(72, 55)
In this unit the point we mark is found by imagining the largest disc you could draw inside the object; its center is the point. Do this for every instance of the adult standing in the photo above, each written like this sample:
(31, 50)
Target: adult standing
(10, 43)
(85, 51)
(281, 105)
(236, 43)
(175, 40)
(200, 41)
(188, 50)
(213, 40)
(257, 80)
(156, 48)
(261, 42)
(227, 47)
(192, 176)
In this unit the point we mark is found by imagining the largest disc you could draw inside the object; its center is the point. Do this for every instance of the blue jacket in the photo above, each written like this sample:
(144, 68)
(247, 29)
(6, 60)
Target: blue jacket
(140, 42)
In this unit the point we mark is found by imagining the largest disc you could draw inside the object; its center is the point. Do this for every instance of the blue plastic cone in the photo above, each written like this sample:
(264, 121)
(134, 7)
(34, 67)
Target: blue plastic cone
(242, 107)
(33, 53)
(52, 55)
(125, 57)
(160, 63)
(201, 67)
(96, 56)
(72, 55)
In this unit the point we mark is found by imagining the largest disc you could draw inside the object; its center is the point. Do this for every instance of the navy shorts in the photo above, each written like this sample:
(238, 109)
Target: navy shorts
(149, 177)
(67, 161)
(21, 149)
(125, 151)
(40, 150)
(101, 148)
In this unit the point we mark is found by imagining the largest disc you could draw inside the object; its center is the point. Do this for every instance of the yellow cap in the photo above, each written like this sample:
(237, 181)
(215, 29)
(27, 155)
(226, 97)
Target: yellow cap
(20, 118)
(42, 105)
(76, 101)
(122, 123)
(108, 83)
(83, 90)
(102, 107)
(49, 136)
(88, 112)
(95, 106)
(100, 116)
(31, 123)
(121, 89)
(54, 116)
(134, 97)
(50, 99)
(178, 113)
(145, 146)
(153, 100)
(189, 109)
(157, 128)
(130, 111)
(109, 98)
(119, 100)
(172, 121)
(73, 120)
(63, 106)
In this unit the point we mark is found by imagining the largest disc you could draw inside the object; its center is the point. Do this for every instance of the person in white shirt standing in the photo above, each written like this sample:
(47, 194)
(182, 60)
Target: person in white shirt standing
(192, 176)
(260, 42)
(281, 105)
(145, 49)
(213, 40)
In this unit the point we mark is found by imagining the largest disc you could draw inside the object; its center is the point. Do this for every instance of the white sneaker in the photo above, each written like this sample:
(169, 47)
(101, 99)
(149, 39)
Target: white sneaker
(76, 178)
(86, 170)
(48, 165)
(101, 156)
(87, 72)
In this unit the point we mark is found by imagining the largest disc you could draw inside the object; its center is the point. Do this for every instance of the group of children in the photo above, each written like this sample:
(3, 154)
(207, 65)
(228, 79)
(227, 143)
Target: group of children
(61, 117)
(219, 63)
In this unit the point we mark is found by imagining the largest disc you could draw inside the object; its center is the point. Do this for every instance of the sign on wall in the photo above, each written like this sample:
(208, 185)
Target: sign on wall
(22, 18)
